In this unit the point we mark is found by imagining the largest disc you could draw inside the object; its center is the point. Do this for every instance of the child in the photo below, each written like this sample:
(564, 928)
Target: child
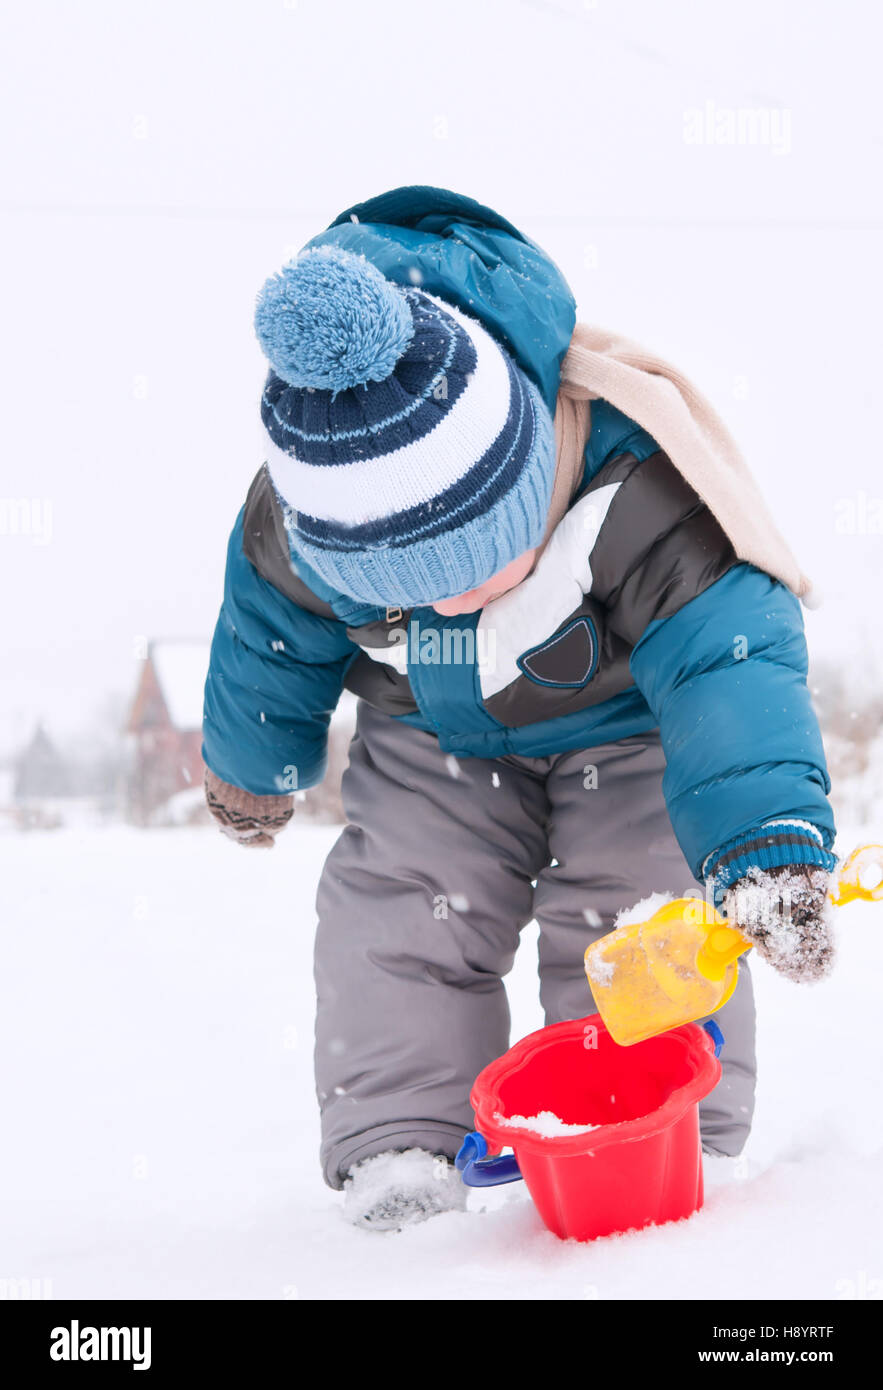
(581, 675)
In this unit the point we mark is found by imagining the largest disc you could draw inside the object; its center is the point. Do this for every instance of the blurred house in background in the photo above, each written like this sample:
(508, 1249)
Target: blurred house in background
(41, 778)
(165, 767)
(164, 731)
(44, 785)
(40, 771)
(140, 759)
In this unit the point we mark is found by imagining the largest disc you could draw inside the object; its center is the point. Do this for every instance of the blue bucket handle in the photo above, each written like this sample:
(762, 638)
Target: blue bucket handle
(714, 1032)
(477, 1170)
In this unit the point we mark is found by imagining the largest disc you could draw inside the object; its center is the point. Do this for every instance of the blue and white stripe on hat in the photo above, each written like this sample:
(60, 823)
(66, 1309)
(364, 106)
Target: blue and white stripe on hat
(403, 487)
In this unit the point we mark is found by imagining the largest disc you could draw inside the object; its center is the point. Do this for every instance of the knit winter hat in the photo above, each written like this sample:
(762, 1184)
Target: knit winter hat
(413, 457)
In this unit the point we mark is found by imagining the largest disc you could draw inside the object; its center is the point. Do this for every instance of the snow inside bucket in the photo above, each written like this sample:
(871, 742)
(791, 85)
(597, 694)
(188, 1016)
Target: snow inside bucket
(625, 1151)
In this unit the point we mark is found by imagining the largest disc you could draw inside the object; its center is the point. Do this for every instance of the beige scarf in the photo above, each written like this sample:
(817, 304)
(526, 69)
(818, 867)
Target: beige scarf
(684, 424)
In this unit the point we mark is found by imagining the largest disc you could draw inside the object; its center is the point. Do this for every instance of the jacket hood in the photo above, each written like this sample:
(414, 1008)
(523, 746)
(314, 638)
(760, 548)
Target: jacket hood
(468, 255)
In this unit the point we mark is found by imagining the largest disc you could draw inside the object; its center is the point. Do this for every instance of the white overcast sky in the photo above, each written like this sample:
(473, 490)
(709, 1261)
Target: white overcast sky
(159, 160)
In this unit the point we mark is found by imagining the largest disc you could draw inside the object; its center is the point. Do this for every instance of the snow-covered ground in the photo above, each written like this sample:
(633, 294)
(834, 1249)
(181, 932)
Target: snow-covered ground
(160, 1128)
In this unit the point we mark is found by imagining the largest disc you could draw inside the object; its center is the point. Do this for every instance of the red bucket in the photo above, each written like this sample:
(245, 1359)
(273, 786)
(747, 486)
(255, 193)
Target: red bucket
(642, 1166)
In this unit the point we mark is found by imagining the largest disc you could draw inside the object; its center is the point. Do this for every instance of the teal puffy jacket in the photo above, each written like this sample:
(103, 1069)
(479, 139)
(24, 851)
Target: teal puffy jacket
(638, 614)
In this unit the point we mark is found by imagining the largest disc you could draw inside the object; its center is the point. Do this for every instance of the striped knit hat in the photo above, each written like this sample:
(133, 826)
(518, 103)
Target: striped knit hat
(413, 458)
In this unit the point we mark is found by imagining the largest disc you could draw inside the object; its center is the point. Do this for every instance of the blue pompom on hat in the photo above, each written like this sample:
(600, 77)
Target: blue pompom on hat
(413, 457)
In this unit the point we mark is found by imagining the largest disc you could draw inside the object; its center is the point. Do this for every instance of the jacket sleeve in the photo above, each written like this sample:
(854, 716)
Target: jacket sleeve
(275, 676)
(719, 653)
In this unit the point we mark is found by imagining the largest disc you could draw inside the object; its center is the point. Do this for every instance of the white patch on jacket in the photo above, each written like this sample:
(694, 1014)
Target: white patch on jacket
(529, 613)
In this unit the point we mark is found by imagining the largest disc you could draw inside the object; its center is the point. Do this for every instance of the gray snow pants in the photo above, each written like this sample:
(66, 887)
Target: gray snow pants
(420, 906)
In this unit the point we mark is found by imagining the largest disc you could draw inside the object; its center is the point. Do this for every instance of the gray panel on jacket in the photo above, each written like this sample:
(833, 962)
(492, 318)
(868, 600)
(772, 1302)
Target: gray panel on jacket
(265, 544)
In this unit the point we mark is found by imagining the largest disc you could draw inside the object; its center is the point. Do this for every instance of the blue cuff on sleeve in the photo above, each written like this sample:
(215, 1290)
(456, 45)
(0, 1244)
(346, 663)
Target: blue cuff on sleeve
(773, 845)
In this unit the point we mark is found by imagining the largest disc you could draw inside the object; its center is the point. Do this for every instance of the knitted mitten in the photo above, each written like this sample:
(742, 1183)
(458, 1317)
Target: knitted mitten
(249, 819)
(784, 912)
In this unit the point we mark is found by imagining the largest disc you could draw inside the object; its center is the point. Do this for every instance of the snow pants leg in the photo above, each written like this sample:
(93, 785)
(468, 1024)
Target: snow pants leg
(420, 906)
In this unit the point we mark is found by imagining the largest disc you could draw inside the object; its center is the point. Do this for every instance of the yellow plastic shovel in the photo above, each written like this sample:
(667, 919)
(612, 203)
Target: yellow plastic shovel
(682, 963)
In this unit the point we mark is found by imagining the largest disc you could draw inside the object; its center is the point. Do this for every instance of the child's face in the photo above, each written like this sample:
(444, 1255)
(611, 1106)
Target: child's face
(492, 588)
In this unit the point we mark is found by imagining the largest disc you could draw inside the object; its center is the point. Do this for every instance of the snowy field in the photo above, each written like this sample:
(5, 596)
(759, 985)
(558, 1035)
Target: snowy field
(161, 1134)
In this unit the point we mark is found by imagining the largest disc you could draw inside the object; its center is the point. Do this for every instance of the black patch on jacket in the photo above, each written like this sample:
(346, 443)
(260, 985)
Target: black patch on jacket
(527, 699)
(567, 659)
